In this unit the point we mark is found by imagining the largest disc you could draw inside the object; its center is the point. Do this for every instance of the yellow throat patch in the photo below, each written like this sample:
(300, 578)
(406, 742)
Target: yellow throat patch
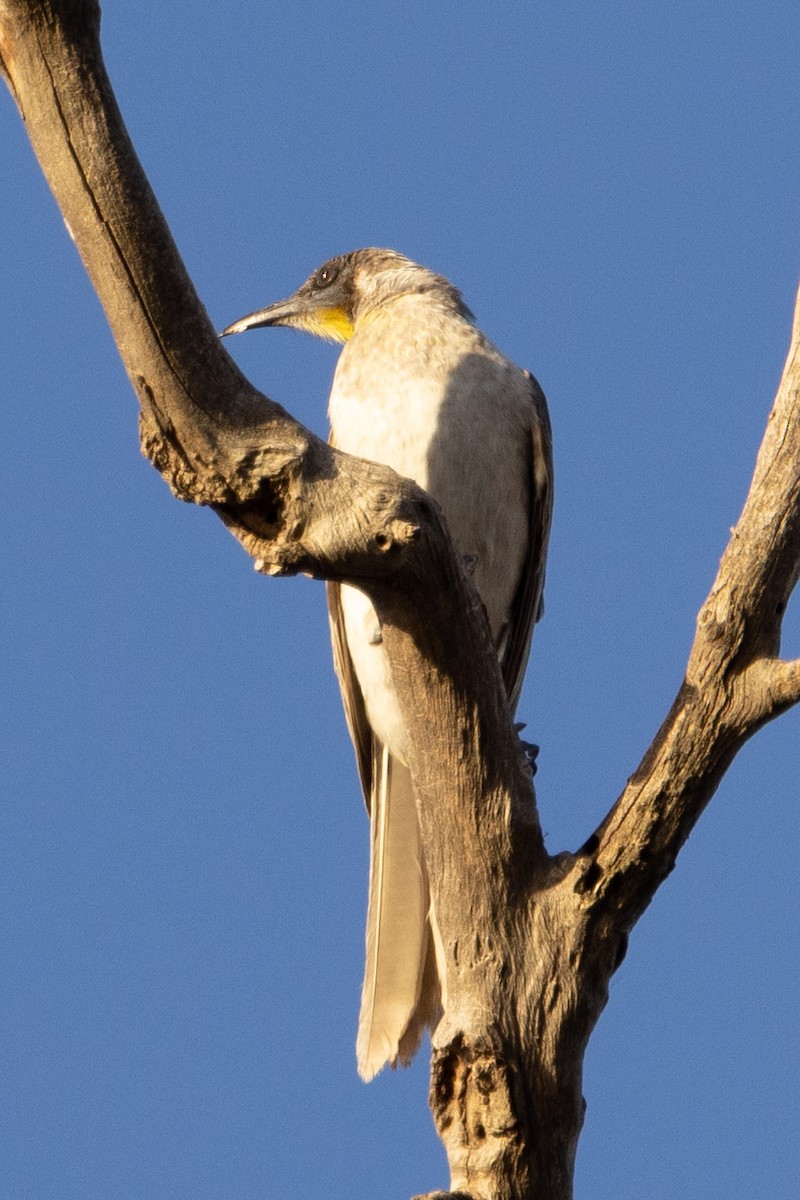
(331, 323)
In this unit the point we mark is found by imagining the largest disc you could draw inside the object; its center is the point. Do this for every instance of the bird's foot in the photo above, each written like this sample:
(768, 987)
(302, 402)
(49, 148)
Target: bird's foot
(529, 749)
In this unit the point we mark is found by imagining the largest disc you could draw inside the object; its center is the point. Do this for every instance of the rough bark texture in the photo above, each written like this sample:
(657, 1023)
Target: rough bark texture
(531, 941)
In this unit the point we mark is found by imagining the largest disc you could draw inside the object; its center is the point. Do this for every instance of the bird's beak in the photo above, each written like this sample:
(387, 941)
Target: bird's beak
(285, 312)
(324, 317)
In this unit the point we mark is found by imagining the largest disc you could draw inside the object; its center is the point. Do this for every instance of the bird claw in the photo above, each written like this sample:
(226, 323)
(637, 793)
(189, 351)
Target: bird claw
(529, 749)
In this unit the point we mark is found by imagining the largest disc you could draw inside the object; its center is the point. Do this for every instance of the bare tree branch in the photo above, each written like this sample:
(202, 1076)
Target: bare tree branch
(294, 502)
(776, 682)
(530, 942)
(734, 683)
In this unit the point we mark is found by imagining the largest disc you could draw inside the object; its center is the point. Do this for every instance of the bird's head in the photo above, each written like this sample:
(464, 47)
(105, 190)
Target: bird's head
(346, 289)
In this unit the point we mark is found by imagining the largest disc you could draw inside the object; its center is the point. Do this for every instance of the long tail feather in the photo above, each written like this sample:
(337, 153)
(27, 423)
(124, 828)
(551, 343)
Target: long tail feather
(395, 1007)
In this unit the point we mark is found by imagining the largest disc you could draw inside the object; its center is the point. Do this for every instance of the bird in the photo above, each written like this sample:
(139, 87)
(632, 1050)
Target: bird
(419, 388)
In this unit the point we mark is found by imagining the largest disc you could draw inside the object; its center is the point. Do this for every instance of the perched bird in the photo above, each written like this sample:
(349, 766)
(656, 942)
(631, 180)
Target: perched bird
(420, 388)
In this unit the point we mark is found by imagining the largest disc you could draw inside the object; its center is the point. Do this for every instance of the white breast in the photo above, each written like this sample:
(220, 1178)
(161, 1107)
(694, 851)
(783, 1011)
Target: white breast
(421, 390)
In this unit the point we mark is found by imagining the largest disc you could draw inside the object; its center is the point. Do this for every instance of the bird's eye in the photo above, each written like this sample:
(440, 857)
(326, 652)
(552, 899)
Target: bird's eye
(326, 275)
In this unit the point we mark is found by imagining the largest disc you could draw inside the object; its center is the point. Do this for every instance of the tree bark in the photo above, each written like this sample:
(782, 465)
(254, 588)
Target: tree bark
(531, 940)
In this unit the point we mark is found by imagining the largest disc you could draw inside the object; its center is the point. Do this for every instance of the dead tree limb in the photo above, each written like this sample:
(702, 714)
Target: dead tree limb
(531, 941)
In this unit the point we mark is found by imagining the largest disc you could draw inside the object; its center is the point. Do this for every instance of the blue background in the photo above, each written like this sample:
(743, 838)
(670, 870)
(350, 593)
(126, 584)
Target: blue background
(184, 847)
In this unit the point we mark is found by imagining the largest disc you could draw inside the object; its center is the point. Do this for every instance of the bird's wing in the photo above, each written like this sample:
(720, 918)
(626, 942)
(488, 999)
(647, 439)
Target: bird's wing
(400, 995)
(352, 699)
(528, 602)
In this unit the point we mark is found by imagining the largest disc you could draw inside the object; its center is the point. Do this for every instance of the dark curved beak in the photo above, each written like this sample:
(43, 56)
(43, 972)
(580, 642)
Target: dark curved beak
(274, 314)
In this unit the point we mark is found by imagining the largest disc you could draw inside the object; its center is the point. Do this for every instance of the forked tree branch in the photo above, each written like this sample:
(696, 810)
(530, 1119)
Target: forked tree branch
(530, 942)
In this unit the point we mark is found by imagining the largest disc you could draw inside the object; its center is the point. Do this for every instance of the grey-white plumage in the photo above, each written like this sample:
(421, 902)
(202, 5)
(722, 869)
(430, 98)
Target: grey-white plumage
(420, 388)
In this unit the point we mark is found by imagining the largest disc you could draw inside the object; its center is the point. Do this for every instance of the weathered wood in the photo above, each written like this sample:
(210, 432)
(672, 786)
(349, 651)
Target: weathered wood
(530, 941)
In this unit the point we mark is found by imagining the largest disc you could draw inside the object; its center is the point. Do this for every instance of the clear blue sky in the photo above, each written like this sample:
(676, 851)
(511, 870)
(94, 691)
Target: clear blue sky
(184, 848)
